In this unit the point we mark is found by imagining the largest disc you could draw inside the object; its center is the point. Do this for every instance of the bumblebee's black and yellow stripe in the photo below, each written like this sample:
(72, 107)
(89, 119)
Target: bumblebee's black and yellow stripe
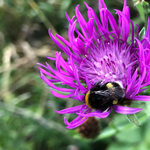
(103, 96)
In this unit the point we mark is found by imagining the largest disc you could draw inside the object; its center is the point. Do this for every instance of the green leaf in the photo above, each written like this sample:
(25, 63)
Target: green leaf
(134, 120)
(142, 33)
(141, 11)
(146, 8)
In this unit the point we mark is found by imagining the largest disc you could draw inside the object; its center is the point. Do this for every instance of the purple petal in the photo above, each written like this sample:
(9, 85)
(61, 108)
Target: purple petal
(141, 98)
(147, 34)
(92, 14)
(53, 86)
(112, 22)
(74, 109)
(125, 110)
(82, 22)
(56, 41)
(47, 73)
(97, 113)
(78, 120)
(76, 124)
(62, 39)
(90, 27)
(76, 75)
(103, 15)
(60, 95)
(137, 32)
(132, 25)
(79, 97)
(125, 25)
(132, 81)
(126, 10)
(102, 4)
(71, 32)
(71, 22)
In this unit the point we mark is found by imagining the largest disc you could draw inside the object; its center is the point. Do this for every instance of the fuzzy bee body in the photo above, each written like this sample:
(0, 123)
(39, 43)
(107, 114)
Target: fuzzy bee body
(104, 96)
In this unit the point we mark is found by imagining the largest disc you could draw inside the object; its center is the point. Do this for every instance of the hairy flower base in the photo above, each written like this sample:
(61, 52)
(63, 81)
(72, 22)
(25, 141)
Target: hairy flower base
(90, 128)
(100, 53)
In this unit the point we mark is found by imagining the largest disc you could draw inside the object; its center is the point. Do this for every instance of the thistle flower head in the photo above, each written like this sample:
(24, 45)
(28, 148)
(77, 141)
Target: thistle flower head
(103, 51)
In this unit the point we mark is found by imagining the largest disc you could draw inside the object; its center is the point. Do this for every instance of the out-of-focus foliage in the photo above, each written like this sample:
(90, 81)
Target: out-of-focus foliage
(27, 117)
(143, 7)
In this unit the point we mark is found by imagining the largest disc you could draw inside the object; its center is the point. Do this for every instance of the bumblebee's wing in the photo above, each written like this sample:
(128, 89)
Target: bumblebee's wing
(106, 96)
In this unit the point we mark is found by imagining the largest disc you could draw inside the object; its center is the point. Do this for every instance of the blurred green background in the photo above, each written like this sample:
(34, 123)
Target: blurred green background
(27, 117)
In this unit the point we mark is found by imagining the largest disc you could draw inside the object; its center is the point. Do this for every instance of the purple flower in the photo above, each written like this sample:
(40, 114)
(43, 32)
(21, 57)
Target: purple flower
(102, 52)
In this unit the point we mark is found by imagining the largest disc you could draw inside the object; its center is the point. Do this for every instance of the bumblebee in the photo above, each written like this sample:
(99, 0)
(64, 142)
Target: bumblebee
(103, 96)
